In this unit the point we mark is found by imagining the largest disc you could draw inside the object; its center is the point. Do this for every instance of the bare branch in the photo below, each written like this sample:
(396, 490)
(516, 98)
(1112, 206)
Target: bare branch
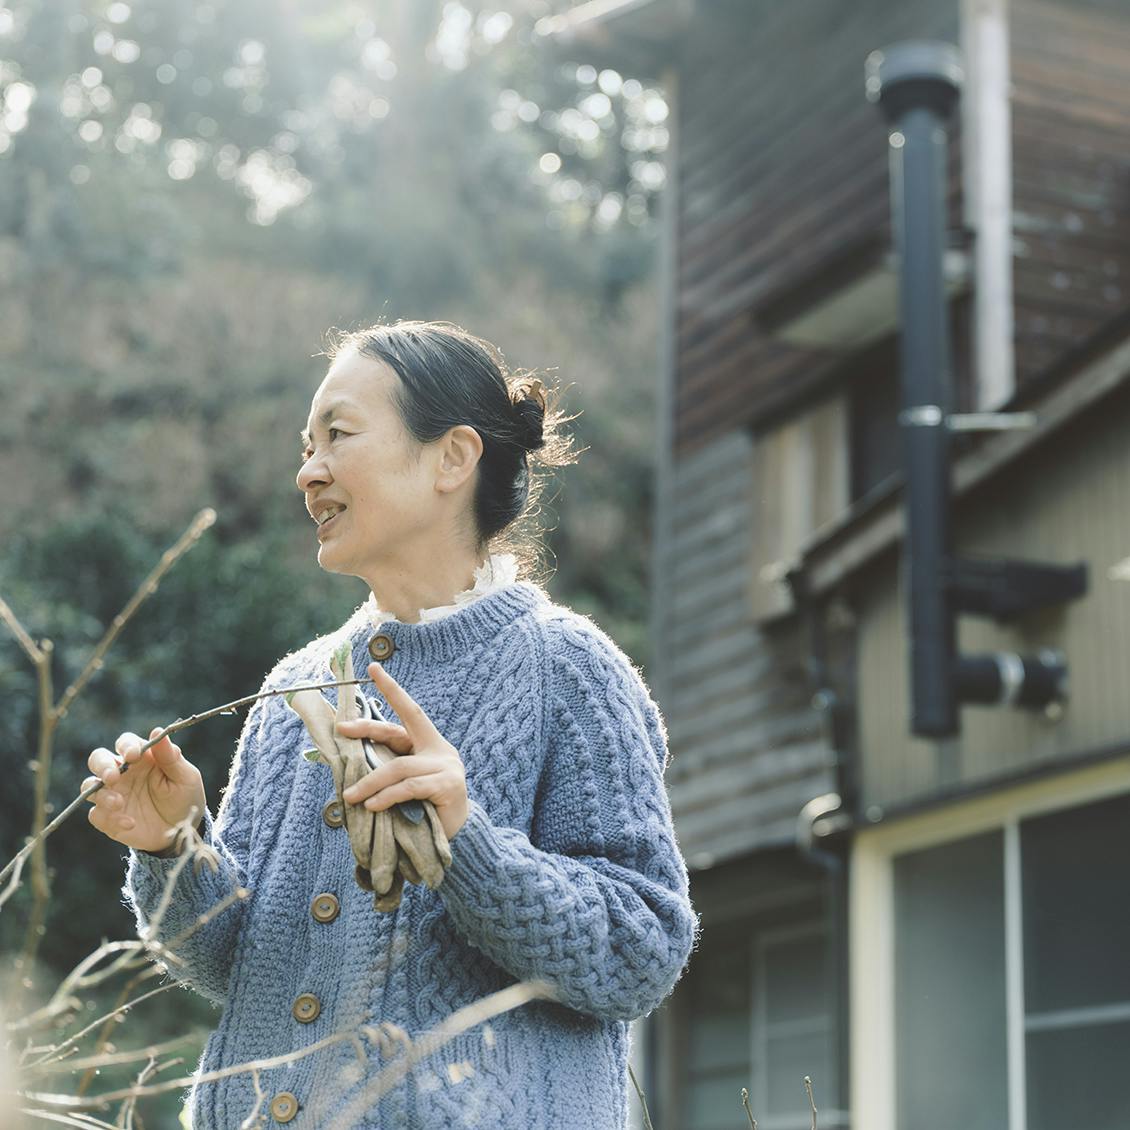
(250, 1122)
(110, 1059)
(748, 1112)
(147, 588)
(21, 634)
(84, 1120)
(425, 1045)
(643, 1101)
(55, 1051)
(811, 1100)
(218, 908)
(16, 861)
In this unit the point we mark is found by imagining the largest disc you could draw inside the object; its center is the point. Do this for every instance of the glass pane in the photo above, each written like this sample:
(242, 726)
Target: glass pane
(790, 1060)
(1076, 870)
(795, 978)
(715, 1102)
(716, 991)
(1077, 1078)
(951, 1067)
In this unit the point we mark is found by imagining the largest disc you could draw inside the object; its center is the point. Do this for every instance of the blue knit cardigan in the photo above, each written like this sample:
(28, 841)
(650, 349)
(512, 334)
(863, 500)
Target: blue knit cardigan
(566, 870)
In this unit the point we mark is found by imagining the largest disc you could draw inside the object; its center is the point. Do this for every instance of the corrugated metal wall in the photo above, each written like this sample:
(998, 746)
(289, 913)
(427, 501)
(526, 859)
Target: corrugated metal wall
(1068, 500)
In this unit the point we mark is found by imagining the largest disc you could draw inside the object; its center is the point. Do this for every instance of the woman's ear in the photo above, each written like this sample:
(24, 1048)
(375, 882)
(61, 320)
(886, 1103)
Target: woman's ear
(459, 454)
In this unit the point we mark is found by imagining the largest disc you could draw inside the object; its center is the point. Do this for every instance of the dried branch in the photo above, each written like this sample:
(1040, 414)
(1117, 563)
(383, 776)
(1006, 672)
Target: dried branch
(457, 1023)
(218, 908)
(146, 589)
(16, 862)
(111, 1059)
(748, 1112)
(95, 1102)
(811, 1100)
(116, 1016)
(51, 712)
(427, 1044)
(83, 1120)
(643, 1101)
(20, 632)
(250, 1122)
(56, 1050)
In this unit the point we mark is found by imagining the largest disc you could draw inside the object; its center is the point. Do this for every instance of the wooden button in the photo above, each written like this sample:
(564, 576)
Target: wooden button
(284, 1106)
(333, 815)
(381, 647)
(306, 1008)
(325, 907)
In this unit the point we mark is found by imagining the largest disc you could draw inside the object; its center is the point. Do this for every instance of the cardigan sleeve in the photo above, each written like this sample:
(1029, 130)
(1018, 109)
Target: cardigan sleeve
(208, 952)
(595, 899)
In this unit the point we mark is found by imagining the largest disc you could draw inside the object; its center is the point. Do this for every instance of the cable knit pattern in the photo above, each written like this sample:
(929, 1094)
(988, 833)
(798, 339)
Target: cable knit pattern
(566, 870)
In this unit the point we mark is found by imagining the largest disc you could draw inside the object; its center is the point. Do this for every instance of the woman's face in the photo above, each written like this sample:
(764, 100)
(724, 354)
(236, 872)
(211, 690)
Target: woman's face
(368, 484)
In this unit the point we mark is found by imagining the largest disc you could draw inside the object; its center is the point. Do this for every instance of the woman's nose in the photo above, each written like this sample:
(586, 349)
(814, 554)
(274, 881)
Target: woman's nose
(312, 473)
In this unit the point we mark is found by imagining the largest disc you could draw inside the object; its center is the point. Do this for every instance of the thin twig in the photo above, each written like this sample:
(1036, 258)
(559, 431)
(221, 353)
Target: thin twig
(57, 1050)
(111, 1059)
(83, 1120)
(427, 1044)
(147, 588)
(94, 1102)
(811, 1100)
(172, 728)
(252, 1119)
(20, 632)
(51, 712)
(748, 1112)
(643, 1101)
(110, 1021)
(203, 920)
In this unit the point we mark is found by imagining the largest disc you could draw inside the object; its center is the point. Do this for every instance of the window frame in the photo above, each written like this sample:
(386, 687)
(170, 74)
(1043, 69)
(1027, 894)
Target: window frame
(871, 924)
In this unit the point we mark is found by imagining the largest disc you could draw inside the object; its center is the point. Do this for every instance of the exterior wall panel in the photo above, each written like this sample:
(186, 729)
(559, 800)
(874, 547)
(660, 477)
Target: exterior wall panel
(1063, 503)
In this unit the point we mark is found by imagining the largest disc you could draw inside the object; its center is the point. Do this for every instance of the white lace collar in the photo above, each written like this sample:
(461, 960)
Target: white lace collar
(499, 570)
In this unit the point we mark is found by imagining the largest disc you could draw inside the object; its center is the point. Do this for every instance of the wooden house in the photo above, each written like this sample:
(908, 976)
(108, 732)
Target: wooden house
(934, 930)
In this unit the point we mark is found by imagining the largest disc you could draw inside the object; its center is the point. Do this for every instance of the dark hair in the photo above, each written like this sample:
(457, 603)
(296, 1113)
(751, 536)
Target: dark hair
(450, 377)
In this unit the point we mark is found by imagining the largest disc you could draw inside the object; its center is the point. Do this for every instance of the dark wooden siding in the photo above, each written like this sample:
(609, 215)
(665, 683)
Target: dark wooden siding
(782, 169)
(1071, 173)
(746, 746)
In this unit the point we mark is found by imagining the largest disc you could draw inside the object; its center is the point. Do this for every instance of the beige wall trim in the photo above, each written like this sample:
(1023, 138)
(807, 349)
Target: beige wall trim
(871, 914)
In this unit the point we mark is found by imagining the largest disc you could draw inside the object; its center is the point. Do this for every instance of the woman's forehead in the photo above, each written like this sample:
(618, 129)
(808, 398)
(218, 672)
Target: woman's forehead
(354, 379)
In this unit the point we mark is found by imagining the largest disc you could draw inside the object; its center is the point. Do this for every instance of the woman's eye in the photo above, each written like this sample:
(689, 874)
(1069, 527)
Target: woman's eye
(334, 433)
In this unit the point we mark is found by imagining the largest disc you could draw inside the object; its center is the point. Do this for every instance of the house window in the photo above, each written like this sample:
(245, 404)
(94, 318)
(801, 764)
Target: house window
(757, 1012)
(1011, 984)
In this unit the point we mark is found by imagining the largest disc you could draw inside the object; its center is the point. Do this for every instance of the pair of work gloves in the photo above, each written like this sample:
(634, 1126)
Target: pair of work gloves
(405, 843)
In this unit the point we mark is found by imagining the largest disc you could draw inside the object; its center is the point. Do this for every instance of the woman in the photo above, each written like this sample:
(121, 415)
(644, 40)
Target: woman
(530, 732)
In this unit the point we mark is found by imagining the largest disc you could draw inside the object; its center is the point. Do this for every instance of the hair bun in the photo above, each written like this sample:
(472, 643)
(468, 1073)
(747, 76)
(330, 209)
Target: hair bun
(528, 398)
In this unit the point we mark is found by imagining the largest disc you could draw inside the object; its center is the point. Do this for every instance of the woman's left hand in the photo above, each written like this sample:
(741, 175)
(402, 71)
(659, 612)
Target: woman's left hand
(434, 771)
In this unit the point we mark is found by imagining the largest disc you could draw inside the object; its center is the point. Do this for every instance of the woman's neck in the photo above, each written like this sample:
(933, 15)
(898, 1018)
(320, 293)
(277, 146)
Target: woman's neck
(403, 592)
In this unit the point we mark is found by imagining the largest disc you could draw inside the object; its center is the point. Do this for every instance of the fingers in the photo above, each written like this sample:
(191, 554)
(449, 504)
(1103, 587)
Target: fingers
(416, 722)
(104, 765)
(388, 733)
(390, 774)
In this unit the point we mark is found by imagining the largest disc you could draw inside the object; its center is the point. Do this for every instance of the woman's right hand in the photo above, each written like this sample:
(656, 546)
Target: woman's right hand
(140, 807)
